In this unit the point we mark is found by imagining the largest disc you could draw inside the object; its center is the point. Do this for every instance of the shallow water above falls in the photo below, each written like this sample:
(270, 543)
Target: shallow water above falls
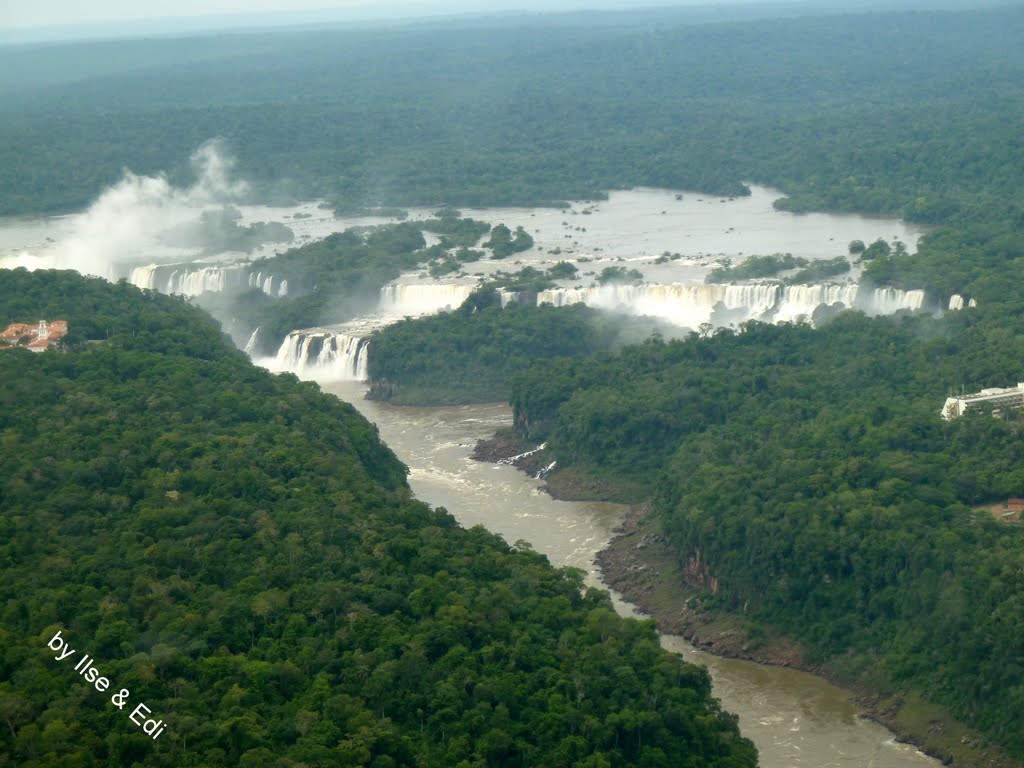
(795, 719)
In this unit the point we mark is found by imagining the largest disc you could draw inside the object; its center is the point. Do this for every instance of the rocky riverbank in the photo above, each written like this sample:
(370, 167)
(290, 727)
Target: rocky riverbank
(508, 447)
(641, 565)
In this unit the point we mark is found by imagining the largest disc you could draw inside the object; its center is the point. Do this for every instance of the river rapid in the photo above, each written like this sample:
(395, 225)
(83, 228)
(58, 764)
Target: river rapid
(795, 719)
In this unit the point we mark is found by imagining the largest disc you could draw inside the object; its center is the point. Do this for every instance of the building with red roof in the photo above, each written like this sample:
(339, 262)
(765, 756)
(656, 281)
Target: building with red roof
(41, 336)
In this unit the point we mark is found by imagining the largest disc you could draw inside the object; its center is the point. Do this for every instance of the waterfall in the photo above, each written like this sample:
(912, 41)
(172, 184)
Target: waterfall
(719, 304)
(144, 277)
(195, 282)
(956, 301)
(250, 345)
(798, 302)
(401, 299)
(184, 279)
(507, 297)
(191, 280)
(324, 354)
(886, 301)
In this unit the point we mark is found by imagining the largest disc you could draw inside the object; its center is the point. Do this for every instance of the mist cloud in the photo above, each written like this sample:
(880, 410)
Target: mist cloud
(126, 224)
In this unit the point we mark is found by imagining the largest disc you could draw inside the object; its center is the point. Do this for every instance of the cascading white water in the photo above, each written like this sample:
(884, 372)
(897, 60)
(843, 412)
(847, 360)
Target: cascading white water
(690, 306)
(185, 280)
(507, 297)
(798, 302)
(344, 353)
(885, 301)
(144, 277)
(189, 280)
(325, 354)
(250, 345)
(265, 283)
(956, 301)
(401, 299)
(195, 282)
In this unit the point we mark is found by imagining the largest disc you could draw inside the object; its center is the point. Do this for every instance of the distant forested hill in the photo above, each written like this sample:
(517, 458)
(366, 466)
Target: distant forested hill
(909, 113)
(875, 112)
(242, 554)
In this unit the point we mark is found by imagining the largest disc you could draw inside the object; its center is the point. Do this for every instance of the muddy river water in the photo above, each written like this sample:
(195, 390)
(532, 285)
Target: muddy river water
(795, 719)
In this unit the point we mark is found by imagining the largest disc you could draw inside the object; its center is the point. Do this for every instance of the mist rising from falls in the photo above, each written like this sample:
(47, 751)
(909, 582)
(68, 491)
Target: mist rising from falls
(126, 223)
(690, 306)
(342, 353)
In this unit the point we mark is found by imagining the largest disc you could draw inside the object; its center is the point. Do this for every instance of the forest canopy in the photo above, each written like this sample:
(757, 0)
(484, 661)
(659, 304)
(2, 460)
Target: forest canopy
(242, 554)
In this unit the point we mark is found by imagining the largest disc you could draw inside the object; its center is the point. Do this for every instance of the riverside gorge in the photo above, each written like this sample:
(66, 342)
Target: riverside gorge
(795, 720)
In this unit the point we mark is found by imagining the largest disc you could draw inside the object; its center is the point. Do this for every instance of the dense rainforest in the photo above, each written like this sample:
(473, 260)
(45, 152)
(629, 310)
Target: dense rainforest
(240, 553)
(803, 476)
(473, 354)
(808, 483)
(879, 112)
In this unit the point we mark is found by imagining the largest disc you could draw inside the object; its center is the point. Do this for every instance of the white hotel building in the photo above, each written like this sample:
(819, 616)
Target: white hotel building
(997, 399)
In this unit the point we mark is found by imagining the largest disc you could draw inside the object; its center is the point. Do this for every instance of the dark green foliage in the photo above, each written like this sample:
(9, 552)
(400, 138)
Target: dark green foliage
(536, 111)
(878, 249)
(820, 270)
(811, 472)
(120, 315)
(809, 468)
(520, 115)
(980, 256)
(504, 243)
(468, 255)
(218, 230)
(619, 275)
(563, 270)
(329, 281)
(242, 553)
(457, 232)
(444, 266)
(471, 355)
(754, 267)
(530, 280)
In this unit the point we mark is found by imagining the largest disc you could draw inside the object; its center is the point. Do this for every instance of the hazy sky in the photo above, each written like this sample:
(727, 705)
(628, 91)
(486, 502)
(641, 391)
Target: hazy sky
(38, 13)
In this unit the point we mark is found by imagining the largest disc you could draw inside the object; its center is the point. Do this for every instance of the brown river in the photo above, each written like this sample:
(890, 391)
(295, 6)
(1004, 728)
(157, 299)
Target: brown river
(795, 719)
